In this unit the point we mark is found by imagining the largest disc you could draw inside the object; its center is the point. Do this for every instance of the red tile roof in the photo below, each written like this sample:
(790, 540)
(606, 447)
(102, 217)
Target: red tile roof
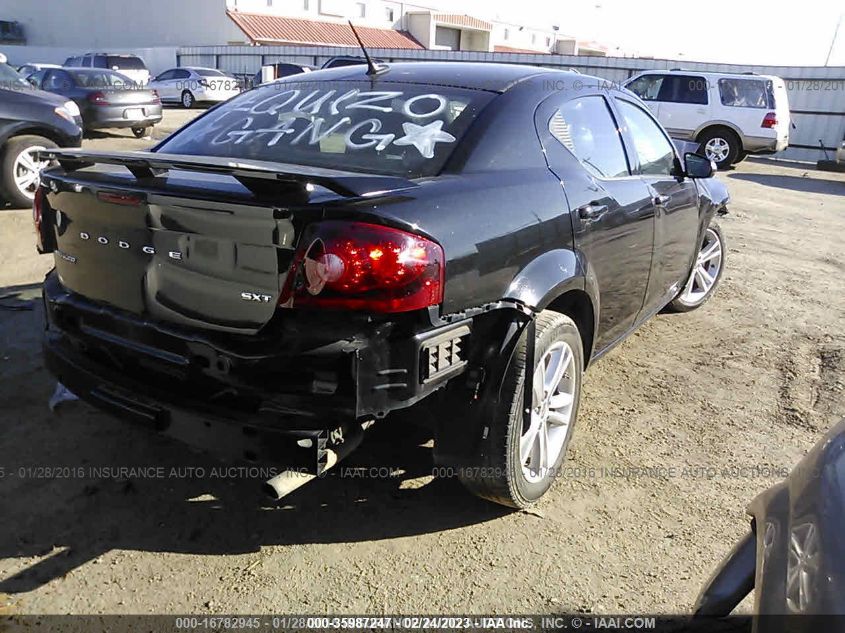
(462, 20)
(509, 49)
(273, 29)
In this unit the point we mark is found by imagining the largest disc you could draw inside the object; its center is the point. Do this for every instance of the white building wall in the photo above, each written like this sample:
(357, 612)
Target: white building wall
(119, 25)
(508, 34)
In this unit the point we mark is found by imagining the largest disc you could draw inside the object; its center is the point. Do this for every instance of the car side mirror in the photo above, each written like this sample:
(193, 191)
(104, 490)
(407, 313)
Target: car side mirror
(697, 166)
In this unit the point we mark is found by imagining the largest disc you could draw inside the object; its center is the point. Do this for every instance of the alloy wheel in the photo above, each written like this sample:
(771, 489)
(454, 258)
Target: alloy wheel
(543, 441)
(27, 170)
(705, 271)
(717, 149)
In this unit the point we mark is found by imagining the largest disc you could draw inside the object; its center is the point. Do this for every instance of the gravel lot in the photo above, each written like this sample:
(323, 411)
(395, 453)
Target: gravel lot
(717, 399)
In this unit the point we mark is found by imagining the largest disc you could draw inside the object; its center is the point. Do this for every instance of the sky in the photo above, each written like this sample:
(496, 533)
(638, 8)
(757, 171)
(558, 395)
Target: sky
(772, 32)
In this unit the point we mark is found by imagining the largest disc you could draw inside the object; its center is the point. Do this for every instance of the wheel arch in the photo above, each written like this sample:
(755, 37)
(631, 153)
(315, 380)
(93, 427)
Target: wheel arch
(558, 281)
(31, 130)
(712, 125)
(577, 305)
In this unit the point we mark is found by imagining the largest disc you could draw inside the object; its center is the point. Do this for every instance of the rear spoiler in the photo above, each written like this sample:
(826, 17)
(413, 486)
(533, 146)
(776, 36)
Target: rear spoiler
(256, 175)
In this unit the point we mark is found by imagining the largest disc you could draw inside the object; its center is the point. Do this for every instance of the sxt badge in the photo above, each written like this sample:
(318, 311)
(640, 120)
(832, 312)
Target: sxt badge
(252, 296)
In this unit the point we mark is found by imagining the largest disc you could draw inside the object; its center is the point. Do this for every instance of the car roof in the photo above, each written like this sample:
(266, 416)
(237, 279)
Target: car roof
(108, 54)
(708, 73)
(472, 75)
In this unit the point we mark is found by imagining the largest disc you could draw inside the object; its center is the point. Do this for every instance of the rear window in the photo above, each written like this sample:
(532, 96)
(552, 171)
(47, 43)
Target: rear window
(125, 62)
(401, 129)
(100, 79)
(747, 93)
(209, 72)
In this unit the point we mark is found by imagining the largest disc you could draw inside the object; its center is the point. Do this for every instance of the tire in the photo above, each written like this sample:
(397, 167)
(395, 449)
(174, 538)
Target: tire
(688, 299)
(141, 132)
(187, 100)
(741, 157)
(16, 162)
(500, 475)
(720, 145)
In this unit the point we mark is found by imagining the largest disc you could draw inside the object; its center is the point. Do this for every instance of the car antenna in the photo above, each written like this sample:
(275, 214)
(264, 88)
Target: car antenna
(371, 67)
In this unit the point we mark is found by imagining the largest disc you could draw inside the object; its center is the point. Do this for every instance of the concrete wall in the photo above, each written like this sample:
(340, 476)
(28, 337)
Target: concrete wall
(118, 25)
(815, 93)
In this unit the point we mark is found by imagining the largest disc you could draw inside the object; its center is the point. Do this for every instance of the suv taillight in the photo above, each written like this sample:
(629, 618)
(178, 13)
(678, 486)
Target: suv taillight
(343, 265)
(37, 216)
(98, 98)
(770, 120)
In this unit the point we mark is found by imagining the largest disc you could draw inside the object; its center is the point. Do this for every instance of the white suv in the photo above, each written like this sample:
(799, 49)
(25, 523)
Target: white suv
(731, 115)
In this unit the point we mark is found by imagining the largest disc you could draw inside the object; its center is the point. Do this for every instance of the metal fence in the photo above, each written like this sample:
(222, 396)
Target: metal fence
(816, 93)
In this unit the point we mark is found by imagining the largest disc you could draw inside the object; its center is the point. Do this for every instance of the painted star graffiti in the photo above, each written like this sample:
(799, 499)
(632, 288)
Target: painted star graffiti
(424, 137)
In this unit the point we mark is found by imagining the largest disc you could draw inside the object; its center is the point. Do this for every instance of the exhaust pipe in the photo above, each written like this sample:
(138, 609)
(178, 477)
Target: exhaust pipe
(288, 481)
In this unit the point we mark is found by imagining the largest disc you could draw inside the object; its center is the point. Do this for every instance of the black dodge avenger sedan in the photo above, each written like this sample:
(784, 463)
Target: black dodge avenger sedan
(106, 99)
(456, 240)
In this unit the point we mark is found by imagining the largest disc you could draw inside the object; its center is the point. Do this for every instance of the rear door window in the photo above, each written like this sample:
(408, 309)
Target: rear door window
(167, 75)
(746, 93)
(58, 81)
(655, 151)
(398, 129)
(585, 126)
(684, 89)
(100, 61)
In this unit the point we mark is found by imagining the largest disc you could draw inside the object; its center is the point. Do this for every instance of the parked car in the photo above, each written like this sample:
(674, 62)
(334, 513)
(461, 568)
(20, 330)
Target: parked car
(280, 70)
(28, 69)
(731, 115)
(131, 66)
(189, 86)
(105, 98)
(339, 61)
(30, 121)
(792, 556)
(312, 255)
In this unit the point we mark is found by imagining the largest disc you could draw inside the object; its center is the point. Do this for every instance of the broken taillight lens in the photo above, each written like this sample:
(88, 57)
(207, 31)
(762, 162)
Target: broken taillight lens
(37, 216)
(344, 265)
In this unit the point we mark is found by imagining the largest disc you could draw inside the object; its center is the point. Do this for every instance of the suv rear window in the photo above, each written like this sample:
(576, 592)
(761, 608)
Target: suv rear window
(402, 129)
(747, 93)
(126, 62)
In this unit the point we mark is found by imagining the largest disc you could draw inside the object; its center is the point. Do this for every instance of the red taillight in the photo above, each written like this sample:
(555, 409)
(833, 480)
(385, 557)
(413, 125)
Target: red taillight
(124, 199)
(770, 120)
(357, 266)
(98, 98)
(37, 215)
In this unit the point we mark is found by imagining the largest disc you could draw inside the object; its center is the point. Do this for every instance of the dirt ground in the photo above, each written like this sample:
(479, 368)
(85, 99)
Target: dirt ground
(717, 403)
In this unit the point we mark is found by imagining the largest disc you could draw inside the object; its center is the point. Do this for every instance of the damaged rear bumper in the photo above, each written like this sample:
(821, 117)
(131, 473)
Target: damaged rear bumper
(246, 394)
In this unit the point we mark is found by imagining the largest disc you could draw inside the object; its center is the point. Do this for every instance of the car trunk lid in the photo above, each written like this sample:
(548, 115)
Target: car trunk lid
(187, 240)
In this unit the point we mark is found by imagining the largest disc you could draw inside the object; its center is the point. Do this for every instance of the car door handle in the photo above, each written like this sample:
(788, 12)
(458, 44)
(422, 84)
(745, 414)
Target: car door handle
(661, 200)
(592, 211)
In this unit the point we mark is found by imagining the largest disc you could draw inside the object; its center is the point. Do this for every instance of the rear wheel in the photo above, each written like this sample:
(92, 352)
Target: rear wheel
(741, 157)
(706, 272)
(720, 145)
(188, 100)
(20, 169)
(519, 461)
(141, 132)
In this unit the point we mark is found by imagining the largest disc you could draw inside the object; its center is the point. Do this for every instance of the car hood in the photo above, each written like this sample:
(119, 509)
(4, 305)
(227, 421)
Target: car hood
(34, 95)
